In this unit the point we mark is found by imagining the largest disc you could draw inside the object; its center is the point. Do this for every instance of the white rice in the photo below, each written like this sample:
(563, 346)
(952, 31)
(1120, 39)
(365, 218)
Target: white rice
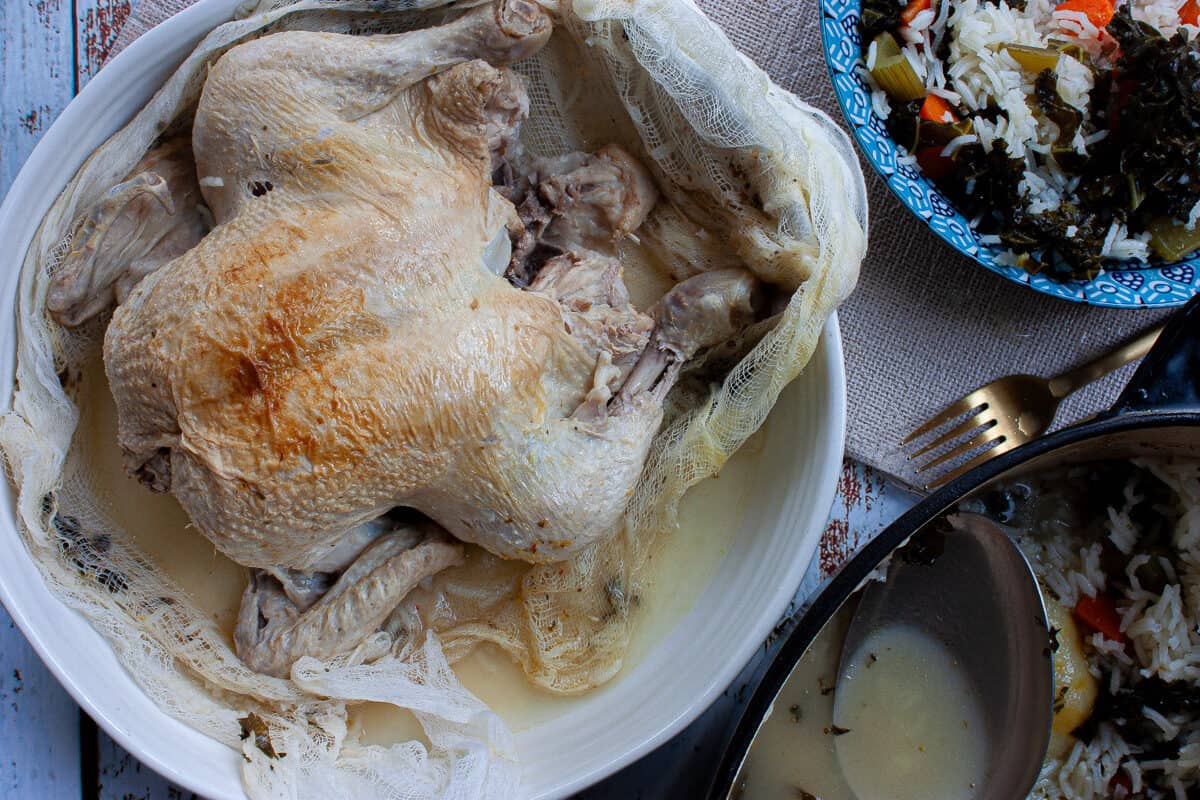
(980, 73)
(1193, 216)
(1076, 24)
(1123, 535)
(880, 104)
(1170, 729)
(939, 24)
(1166, 640)
(958, 142)
(1163, 632)
(946, 94)
(1118, 244)
(1162, 15)
(1075, 82)
(922, 20)
(913, 56)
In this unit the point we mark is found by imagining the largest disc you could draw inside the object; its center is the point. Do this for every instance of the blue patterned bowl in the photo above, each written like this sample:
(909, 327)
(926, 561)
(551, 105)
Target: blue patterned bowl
(1156, 285)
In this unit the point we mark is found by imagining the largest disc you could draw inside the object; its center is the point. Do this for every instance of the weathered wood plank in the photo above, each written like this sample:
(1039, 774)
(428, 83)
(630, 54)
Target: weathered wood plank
(97, 23)
(123, 777)
(867, 502)
(37, 75)
(39, 724)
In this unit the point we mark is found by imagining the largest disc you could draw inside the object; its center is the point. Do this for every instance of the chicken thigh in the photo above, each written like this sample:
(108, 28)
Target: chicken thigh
(345, 342)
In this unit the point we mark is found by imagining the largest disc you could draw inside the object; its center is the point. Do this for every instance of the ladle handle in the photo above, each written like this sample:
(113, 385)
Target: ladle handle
(1168, 378)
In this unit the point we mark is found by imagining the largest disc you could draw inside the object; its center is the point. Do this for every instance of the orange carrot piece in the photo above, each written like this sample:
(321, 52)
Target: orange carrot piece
(1190, 13)
(913, 8)
(936, 109)
(1100, 12)
(1100, 614)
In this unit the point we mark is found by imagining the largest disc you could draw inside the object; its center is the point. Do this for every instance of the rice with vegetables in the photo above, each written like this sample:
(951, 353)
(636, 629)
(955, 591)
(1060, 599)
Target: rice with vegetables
(1121, 578)
(1068, 132)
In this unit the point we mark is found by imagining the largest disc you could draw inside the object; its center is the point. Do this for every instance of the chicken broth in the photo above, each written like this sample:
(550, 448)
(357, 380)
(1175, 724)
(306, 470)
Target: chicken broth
(156, 522)
(680, 569)
(907, 724)
(913, 724)
(794, 754)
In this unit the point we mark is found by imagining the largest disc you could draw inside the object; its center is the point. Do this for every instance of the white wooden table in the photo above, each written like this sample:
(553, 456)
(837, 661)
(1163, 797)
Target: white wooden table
(49, 748)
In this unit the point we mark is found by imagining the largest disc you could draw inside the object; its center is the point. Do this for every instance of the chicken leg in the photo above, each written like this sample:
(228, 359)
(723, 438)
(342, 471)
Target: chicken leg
(331, 80)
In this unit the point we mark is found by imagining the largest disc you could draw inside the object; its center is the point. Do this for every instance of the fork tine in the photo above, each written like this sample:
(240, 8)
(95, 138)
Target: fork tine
(969, 424)
(1003, 447)
(978, 440)
(957, 408)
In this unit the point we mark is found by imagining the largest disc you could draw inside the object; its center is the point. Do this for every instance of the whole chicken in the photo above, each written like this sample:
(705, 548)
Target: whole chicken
(344, 342)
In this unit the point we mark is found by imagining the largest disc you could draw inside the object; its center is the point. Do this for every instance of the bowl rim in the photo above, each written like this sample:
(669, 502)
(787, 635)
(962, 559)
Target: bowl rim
(1080, 292)
(108, 709)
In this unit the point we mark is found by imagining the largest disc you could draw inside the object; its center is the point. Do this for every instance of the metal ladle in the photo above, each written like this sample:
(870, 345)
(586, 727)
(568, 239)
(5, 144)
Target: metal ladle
(969, 587)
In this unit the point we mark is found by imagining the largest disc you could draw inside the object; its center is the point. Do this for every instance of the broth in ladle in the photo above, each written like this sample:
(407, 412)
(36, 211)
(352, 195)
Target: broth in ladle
(910, 726)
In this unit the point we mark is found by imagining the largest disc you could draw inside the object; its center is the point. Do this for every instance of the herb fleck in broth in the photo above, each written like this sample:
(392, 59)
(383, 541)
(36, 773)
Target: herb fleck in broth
(793, 756)
(682, 565)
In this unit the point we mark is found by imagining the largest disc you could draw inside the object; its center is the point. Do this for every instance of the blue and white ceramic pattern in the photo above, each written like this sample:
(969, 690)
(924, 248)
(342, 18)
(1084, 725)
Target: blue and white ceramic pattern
(1157, 285)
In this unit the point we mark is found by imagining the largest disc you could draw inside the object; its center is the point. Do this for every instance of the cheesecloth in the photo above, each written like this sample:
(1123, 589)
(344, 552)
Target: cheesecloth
(751, 176)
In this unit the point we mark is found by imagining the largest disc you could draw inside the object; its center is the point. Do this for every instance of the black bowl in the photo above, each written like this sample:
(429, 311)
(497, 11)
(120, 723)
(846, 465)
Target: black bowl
(1158, 414)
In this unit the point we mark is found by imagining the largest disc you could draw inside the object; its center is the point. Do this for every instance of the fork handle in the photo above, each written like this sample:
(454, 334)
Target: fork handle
(1079, 377)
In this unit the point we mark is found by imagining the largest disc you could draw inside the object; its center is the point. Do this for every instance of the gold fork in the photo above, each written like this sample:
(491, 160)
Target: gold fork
(1010, 411)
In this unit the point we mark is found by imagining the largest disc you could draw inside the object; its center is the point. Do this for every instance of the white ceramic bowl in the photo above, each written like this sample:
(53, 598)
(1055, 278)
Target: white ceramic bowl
(611, 727)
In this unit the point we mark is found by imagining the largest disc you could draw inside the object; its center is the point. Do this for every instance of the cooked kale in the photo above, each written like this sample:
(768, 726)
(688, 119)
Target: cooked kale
(904, 124)
(1155, 130)
(1075, 233)
(1059, 111)
(1124, 710)
(1146, 169)
(878, 16)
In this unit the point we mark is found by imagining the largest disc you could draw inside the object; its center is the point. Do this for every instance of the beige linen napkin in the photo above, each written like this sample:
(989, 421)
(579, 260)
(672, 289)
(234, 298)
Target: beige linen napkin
(925, 325)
